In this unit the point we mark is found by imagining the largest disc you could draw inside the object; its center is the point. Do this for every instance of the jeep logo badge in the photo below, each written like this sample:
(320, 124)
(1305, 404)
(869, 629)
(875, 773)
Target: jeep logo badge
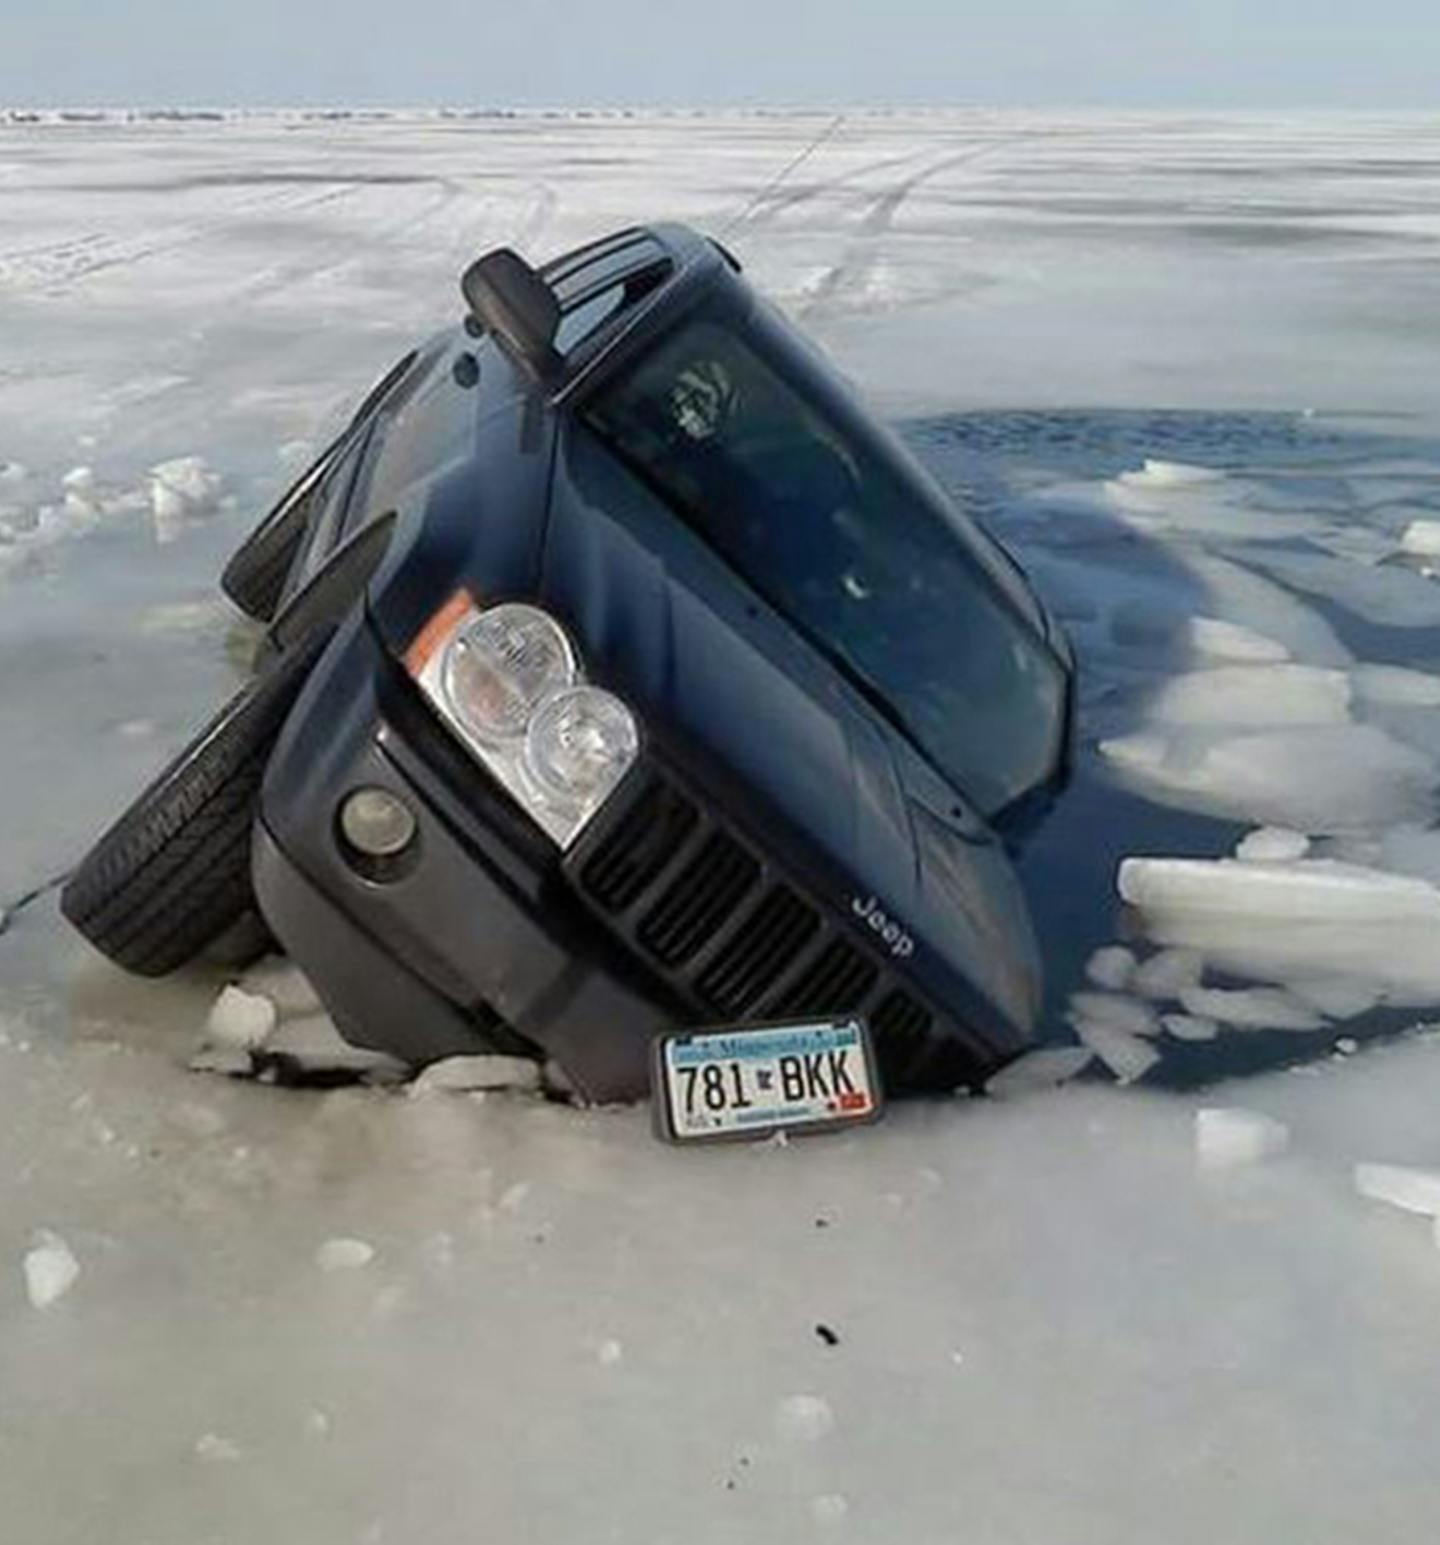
(892, 935)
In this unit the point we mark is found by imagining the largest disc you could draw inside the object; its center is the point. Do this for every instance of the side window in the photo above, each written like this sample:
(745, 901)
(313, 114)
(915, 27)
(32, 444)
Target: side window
(423, 430)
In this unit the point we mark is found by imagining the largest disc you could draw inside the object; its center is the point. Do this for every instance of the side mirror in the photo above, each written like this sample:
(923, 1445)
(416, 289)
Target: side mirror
(513, 302)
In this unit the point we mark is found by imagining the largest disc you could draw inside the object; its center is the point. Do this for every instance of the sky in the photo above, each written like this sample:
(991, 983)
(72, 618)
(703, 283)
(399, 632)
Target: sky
(1141, 53)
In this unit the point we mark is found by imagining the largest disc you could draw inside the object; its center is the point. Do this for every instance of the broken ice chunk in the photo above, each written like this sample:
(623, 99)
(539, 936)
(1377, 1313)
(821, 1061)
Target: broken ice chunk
(344, 1254)
(1314, 777)
(1412, 1190)
(1111, 967)
(1128, 1057)
(1422, 536)
(1396, 686)
(1390, 596)
(1260, 695)
(239, 1019)
(1251, 1008)
(478, 1072)
(1042, 1068)
(1272, 845)
(1108, 1008)
(1222, 640)
(1227, 1136)
(181, 490)
(1338, 997)
(1186, 1027)
(1164, 974)
(50, 1269)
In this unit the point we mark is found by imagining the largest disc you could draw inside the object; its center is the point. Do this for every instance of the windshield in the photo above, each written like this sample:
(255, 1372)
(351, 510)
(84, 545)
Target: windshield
(826, 520)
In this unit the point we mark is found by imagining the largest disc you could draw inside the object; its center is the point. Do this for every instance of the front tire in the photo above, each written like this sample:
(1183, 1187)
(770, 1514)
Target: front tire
(173, 873)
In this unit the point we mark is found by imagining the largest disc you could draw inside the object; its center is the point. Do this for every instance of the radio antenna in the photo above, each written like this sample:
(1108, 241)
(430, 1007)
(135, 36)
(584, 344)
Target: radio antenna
(780, 178)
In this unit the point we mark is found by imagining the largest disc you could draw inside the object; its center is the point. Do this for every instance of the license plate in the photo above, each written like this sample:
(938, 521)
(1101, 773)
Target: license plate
(751, 1081)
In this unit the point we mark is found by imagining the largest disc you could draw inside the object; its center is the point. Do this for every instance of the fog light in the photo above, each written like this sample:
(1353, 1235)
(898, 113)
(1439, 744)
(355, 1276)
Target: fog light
(376, 823)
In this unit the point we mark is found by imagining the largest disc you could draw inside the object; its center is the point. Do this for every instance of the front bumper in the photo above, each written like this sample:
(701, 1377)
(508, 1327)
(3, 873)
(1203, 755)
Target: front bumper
(475, 944)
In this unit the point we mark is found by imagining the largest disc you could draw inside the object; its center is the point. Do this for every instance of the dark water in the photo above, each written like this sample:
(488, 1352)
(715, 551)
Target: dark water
(1000, 465)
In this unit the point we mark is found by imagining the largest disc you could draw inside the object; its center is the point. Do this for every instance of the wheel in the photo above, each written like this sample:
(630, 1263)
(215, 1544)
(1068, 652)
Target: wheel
(173, 873)
(255, 576)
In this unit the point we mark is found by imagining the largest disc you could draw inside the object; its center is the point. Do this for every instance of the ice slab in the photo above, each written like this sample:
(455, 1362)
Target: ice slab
(1412, 1190)
(1251, 1008)
(1315, 778)
(1263, 696)
(1231, 641)
(1392, 597)
(1340, 934)
(1422, 536)
(1396, 685)
(1228, 1136)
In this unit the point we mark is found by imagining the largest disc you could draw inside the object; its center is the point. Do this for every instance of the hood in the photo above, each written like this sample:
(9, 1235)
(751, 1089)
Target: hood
(726, 688)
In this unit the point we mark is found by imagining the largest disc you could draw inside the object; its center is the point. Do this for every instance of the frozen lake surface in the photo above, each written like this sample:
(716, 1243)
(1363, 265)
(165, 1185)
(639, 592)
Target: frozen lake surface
(1184, 366)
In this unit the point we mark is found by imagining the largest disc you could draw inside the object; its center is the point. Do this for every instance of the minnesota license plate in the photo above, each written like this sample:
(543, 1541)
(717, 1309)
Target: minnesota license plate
(759, 1079)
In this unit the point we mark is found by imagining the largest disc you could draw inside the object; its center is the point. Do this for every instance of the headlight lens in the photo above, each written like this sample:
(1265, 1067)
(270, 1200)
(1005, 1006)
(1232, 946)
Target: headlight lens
(499, 667)
(508, 681)
(578, 745)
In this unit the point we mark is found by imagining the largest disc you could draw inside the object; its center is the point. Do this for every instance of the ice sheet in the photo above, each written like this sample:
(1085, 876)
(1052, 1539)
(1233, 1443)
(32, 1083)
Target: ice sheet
(224, 287)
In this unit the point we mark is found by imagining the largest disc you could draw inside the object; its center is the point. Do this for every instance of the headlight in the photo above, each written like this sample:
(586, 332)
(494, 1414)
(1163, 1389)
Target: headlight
(578, 745)
(501, 665)
(508, 681)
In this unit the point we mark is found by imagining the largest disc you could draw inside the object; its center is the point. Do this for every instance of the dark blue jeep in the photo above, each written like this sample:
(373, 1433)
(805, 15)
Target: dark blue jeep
(622, 674)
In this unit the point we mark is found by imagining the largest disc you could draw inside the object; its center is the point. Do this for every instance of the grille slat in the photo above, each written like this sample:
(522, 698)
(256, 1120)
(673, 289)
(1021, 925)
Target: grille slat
(699, 900)
(633, 856)
(900, 1027)
(758, 951)
(836, 981)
